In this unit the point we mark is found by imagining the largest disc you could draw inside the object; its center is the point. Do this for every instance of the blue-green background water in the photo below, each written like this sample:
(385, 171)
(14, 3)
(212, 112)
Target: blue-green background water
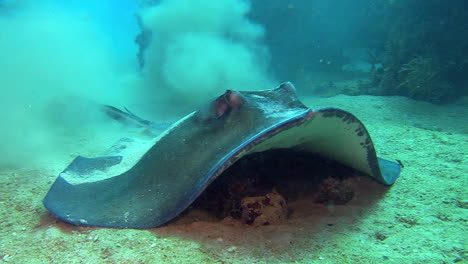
(163, 59)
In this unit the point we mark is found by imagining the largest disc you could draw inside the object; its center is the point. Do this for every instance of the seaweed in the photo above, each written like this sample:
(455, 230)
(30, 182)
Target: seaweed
(422, 78)
(425, 51)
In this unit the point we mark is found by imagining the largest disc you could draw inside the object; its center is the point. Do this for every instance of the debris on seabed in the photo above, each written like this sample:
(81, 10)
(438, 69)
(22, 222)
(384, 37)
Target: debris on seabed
(6, 258)
(94, 239)
(232, 249)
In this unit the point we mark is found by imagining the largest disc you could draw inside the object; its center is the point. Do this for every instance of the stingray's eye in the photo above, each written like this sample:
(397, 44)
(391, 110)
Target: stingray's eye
(221, 107)
(235, 99)
(230, 100)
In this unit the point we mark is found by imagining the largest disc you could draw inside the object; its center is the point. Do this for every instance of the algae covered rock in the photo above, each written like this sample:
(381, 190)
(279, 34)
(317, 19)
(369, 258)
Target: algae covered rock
(264, 210)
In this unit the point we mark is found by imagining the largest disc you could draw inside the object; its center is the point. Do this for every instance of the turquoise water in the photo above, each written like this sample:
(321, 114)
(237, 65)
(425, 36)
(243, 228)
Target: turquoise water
(115, 78)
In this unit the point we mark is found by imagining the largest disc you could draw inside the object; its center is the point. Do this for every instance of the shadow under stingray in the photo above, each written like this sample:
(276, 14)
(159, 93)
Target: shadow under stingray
(323, 197)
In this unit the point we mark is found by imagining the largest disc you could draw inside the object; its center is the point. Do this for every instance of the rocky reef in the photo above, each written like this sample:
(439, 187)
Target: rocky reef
(425, 52)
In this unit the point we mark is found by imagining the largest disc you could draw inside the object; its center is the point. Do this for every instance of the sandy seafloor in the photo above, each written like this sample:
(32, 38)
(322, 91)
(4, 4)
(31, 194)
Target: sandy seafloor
(421, 219)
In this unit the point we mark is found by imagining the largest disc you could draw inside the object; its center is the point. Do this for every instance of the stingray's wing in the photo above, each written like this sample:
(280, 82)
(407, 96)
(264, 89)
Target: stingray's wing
(335, 134)
(344, 138)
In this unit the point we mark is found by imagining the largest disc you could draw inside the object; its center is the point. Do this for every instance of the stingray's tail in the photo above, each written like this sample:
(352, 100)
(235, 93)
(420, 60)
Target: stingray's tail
(128, 118)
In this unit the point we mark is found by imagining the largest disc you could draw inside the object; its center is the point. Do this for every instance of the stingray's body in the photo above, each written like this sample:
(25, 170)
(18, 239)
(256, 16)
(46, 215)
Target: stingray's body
(142, 184)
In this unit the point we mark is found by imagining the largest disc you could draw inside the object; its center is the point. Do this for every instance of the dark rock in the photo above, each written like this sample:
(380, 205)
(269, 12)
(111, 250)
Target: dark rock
(264, 210)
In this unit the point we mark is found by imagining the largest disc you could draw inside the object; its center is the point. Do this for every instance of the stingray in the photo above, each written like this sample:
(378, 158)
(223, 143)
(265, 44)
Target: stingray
(144, 183)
